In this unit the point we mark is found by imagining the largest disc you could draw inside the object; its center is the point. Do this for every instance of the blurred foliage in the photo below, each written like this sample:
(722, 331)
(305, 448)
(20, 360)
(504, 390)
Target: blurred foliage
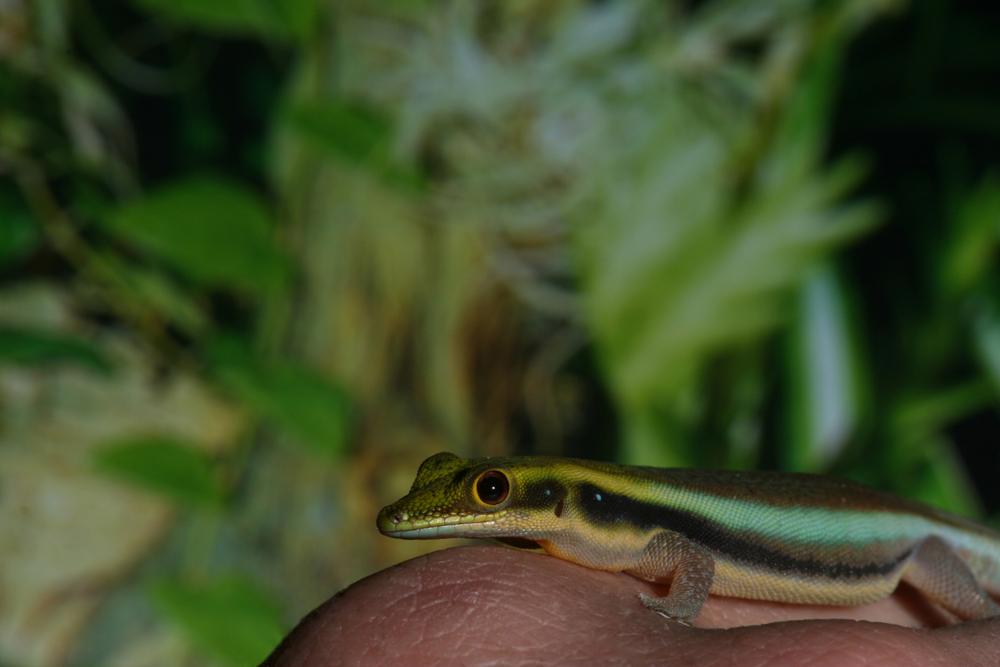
(173, 468)
(295, 397)
(212, 232)
(258, 259)
(31, 348)
(231, 618)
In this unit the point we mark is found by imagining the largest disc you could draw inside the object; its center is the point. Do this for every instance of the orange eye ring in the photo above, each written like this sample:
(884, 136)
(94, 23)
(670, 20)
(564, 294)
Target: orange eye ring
(492, 487)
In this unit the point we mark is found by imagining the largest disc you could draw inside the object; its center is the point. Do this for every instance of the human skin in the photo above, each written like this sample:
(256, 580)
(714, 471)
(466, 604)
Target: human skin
(488, 605)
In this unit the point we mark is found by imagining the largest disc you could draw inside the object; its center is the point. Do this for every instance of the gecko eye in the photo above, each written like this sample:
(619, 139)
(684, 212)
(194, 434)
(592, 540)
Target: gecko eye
(492, 488)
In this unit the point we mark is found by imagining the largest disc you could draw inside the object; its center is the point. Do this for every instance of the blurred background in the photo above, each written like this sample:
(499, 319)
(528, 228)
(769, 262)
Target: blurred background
(260, 258)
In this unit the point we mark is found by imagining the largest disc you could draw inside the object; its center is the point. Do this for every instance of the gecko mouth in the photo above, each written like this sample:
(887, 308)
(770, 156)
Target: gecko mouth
(428, 533)
(433, 532)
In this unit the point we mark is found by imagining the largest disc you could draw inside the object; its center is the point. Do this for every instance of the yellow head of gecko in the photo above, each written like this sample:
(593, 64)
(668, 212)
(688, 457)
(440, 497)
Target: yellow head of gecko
(455, 497)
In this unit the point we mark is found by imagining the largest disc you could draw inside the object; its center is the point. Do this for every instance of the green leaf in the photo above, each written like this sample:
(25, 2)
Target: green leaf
(161, 292)
(217, 233)
(269, 18)
(168, 299)
(931, 471)
(308, 405)
(18, 232)
(970, 253)
(986, 338)
(917, 415)
(827, 395)
(354, 135)
(343, 130)
(230, 618)
(38, 348)
(164, 466)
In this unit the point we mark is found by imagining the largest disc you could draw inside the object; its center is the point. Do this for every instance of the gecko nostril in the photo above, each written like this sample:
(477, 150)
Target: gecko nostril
(397, 517)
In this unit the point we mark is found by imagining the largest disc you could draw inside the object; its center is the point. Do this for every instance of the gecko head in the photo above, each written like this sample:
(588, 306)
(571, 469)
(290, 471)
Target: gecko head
(456, 497)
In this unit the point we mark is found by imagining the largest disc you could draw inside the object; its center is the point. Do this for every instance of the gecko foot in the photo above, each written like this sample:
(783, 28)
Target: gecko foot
(663, 608)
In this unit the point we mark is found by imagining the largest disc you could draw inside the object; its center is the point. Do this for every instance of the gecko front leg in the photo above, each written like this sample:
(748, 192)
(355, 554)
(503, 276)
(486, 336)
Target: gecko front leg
(690, 569)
